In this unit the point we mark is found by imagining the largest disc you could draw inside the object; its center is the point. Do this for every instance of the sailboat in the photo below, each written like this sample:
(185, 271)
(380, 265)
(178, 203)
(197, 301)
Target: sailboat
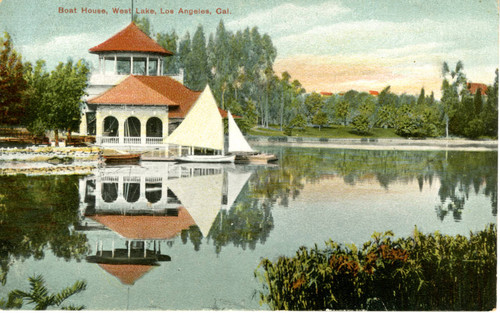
(203, 129)
(239, 146)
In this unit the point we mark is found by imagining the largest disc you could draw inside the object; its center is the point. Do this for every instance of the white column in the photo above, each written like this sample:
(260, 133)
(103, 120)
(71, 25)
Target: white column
(98, 127)
(115, 72)
(121, 131)
(131, 64)
(158, 61)
(143, 130)
(147, 66)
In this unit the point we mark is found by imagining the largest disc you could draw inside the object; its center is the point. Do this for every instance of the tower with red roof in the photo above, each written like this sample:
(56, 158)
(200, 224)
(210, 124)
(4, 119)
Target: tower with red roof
(131, 103)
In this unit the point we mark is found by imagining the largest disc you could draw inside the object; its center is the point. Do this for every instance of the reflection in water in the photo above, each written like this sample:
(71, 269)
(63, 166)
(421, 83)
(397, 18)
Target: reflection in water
(458, 173)
(146, 208)
(130, 219)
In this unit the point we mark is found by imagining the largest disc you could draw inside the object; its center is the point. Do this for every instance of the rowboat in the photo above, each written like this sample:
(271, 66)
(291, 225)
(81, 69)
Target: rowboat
(122, 158)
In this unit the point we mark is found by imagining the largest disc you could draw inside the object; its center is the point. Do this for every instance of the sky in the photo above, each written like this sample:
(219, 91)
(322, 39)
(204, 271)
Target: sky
(328, 45)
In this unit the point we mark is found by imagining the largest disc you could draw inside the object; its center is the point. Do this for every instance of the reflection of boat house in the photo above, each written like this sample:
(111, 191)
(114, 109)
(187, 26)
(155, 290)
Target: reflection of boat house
(131, 102)
(131, 213)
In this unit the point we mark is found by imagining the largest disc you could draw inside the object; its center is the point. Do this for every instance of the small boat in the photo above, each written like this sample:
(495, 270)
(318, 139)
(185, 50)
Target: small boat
(257, 158)
(122, 158)
(239, 146)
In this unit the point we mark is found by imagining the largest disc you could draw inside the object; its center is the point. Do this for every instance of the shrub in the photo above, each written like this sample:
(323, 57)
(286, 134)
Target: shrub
(422, 272)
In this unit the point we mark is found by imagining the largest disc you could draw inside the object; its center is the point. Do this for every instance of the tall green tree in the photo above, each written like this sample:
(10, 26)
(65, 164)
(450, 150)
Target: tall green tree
(13, 85)
(169, 42)
(489, 114)
(454, 86)
(197, 62)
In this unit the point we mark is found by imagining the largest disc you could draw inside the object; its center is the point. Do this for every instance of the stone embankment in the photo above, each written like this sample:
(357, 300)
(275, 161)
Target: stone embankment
(49, 160)
(379, 144)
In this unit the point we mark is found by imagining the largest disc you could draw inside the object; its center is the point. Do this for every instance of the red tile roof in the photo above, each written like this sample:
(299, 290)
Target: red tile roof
(150, 90)
(374, 93)
(147, 227)
(131, 38)
(326, 93)
(128, 274)
(473, 87)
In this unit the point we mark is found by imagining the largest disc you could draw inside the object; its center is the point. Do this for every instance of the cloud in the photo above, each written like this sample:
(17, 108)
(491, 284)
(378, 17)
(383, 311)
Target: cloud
(290, 18)
(364, 72)
(353, 36)
(60, 48)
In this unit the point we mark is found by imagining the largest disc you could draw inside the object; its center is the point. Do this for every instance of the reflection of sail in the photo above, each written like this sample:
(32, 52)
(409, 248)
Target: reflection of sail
(235, 183)
(201, 196)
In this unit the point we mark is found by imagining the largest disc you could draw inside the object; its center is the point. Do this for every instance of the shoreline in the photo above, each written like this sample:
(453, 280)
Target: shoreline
(439, 144)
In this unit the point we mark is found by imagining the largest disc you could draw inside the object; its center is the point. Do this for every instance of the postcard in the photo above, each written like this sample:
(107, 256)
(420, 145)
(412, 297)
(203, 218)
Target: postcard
(249, 155)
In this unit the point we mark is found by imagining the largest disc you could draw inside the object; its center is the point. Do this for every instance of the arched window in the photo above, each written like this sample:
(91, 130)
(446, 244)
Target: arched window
(153, 192)
(132, 127)
(154, 127)
(110, 127)
(109, 192)
(131, 191)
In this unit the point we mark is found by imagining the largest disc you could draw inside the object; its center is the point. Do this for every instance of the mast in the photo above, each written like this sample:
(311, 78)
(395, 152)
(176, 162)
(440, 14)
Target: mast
(132, 15)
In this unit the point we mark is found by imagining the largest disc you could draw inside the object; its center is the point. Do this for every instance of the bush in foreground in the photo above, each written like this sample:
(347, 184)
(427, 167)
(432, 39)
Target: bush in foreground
(421, 272)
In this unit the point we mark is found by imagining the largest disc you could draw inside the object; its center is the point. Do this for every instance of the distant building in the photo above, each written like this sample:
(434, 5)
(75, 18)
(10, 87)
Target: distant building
(473, 87)
(131, 102)
(326, 94)
(374, 93)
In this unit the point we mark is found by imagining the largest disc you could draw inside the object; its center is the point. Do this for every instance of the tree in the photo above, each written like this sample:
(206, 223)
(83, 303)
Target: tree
(38, 80)
(313, 104)
(196, 64)
(169, 42)
(143, 24)
(56, 99)
(452, 90)
(489, 115)
(342, 111)
(478, 103)
(320, 119)
(13, 85)
(67, 87)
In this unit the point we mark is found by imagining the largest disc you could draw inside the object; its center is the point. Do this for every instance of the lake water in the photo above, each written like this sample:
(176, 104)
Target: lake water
(163, 236)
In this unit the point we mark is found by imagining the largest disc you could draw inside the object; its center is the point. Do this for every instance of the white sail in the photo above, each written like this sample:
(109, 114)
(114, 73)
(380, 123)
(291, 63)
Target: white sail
(237, 143)
(201, 196)
(202, 127)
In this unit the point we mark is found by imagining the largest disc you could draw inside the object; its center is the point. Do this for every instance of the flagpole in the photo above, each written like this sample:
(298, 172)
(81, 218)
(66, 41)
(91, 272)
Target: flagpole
(132, 15)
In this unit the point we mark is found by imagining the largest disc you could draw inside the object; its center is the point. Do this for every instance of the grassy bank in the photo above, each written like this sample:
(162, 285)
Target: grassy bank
(325, 132)
(421, 272)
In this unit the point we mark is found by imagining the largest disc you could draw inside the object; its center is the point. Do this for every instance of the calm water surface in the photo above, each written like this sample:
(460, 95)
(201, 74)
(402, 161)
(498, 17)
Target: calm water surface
(163, 236)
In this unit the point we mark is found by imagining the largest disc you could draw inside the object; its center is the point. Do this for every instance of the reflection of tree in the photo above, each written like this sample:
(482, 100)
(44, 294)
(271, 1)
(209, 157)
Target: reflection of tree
(37, 213)
(459, 173)
(464, 172)
(246, 224)
(193, 233)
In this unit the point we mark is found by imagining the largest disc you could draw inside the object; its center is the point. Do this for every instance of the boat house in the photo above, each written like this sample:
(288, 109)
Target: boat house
(132, 104)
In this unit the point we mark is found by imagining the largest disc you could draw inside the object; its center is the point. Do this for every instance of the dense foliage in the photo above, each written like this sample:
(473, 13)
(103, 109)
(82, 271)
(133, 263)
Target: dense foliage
(55, 98)
(421, 272)
(40, 298)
